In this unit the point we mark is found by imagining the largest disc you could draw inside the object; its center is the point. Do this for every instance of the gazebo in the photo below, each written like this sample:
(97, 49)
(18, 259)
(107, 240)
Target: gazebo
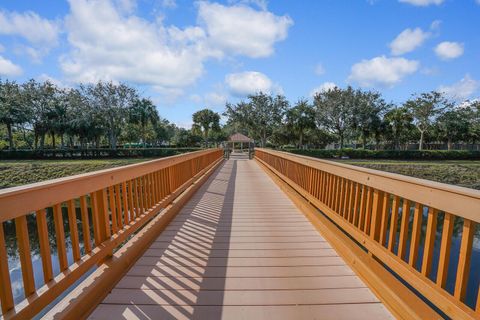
(240, 139)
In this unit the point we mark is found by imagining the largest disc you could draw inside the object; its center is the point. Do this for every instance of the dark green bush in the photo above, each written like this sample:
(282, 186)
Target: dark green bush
(92, 153)
(389, 154)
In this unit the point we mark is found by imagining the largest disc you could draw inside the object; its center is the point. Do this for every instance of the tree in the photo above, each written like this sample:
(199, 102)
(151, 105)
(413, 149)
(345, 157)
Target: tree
(425, 108)
(453, 125)
(334, 111)
(12, 111)
(205, 121)
(260, 116)
(38, 99)
(143, 112)
(367, 114)
(398, 123)
(113, 101)
(300, 118)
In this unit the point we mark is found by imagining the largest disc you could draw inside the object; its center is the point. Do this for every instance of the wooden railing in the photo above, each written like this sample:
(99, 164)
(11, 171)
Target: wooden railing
(385, 214)
(115, 203)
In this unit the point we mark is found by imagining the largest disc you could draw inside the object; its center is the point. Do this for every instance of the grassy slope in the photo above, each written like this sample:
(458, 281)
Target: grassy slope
(461, 173)
(19, 172)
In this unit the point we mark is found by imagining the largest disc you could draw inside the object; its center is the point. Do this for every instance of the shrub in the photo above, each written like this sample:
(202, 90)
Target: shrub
(92, 153)
(389, 154)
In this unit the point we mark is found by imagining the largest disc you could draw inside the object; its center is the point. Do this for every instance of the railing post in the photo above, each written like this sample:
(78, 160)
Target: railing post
(101, 223)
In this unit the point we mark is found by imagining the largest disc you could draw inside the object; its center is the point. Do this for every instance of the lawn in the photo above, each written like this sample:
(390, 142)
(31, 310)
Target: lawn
(461, 173)
(19, 172)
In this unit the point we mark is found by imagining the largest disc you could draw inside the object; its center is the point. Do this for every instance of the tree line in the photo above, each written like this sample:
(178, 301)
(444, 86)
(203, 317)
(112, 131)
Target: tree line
(358, 118)
(40, 115)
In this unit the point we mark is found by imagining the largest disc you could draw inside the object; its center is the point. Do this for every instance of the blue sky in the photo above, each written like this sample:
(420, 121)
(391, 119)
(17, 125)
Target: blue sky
(187, 55)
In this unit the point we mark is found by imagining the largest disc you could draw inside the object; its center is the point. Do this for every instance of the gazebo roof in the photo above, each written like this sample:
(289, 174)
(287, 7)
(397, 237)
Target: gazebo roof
(238, 137)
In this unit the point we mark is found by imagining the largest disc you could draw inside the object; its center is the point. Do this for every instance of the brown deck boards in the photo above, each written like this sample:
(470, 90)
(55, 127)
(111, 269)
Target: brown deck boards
(240, 249)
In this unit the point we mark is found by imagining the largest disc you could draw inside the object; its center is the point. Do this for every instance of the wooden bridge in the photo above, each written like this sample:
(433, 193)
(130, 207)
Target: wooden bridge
(195, 236)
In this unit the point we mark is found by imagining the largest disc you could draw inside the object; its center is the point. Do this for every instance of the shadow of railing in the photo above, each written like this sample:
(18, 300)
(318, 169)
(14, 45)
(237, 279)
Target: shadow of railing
(183, 273)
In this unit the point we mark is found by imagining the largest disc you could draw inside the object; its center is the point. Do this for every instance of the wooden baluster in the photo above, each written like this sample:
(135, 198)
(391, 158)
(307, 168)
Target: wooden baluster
(312, 181)
(356, 206)
(101, 225)
(331, 190)
(346, 199)
(6, 296)
(72, 222)
(463, 269)
(368, 211)
(341, 197)
(326, 187)
(44, 244)
(152, 190)
(113, 214)
(384, 223)
(377, 207)
(118, 205)
(126, 208)
(156, 194)
(146, 192)
(431, 232)
(351, 199)
(318, 184)
(445, 247)
(140, 195)
(363, 204)
(402, 242)
(416, 229)
(393, 223)
(131, 200)
(85, 224)
(136, 201)
(23, 243)
(60, 237)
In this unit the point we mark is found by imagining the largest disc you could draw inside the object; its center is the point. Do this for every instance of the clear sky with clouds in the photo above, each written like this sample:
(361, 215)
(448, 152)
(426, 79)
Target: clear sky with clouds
(187, 55)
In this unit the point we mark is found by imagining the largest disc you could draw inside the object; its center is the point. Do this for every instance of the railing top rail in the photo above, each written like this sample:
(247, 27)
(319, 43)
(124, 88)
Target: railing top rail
(463, 202)
(20, 200)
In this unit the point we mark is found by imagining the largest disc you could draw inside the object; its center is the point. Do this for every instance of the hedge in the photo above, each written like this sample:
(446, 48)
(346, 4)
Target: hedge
(92, 153)
(389, 154)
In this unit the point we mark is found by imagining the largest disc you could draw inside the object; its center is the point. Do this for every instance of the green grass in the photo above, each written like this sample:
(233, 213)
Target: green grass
(19, 172)
(460, 173)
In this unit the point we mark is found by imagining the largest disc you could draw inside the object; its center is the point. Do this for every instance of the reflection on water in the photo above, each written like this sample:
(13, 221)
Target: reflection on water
(12, 249)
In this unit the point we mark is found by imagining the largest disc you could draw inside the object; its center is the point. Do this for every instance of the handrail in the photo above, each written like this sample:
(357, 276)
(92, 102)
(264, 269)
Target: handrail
(369, 206)
(115, 203)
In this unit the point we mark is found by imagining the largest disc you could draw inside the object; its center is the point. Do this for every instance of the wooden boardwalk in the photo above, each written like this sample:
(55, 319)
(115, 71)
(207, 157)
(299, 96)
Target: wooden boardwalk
(240, 249)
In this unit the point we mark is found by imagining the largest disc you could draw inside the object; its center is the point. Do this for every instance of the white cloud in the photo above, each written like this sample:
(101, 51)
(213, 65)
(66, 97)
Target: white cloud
(8, 68)
(262, 4)
(422, 3)
(382, 71)
(242, 30)
(249, 82)
(214, 99)
(319, 69)
(461, 90)
(408, 40)
(108, 44)
(323, 87)
(30, 26)
(170, 4)
(449, 50)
